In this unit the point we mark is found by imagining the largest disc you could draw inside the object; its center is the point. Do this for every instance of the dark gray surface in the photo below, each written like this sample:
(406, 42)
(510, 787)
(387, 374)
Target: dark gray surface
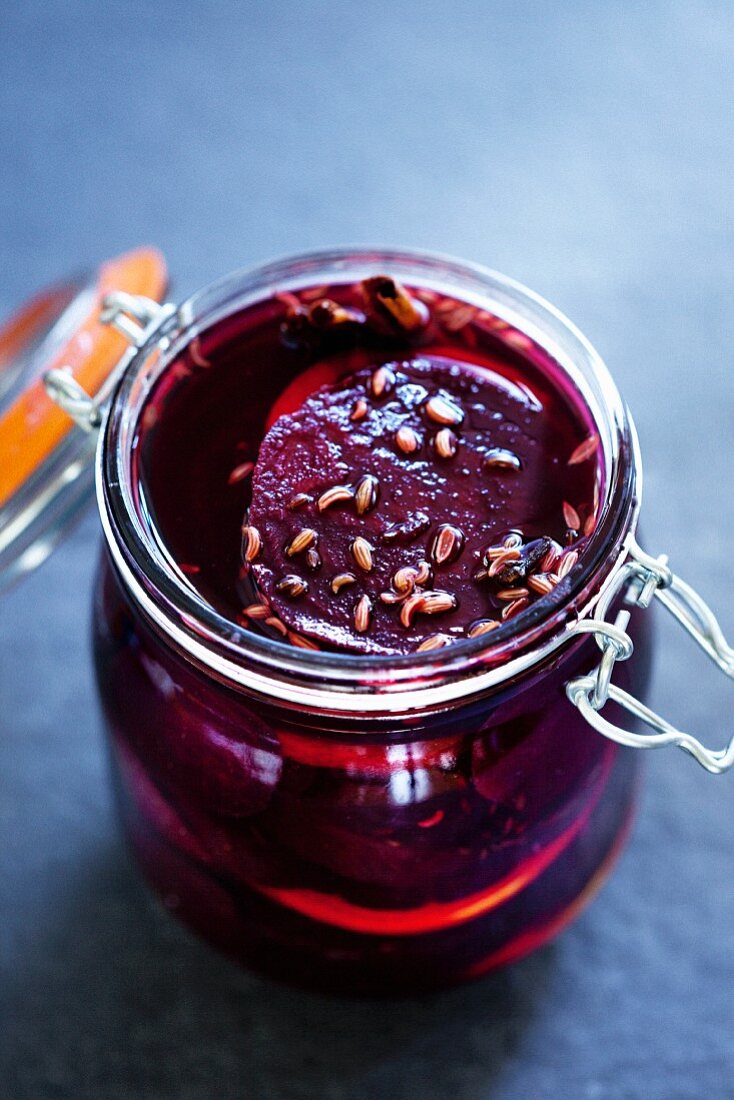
(585, 149)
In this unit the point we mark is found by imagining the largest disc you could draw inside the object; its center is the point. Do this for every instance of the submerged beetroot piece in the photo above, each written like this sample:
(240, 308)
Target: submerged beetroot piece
(413, 504)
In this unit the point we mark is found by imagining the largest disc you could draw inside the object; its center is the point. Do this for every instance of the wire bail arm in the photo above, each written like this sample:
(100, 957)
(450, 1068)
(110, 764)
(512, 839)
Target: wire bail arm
(640, 580)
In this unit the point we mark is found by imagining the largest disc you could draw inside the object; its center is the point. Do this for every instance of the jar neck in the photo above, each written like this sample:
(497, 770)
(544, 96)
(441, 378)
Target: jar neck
(340, 682)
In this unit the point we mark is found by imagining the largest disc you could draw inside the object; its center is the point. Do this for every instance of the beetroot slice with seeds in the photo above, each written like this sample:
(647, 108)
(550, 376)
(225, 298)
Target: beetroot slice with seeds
(392, 508)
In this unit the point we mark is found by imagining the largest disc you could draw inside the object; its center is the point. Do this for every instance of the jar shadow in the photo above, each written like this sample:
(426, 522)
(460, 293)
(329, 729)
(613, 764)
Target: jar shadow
(117, 999)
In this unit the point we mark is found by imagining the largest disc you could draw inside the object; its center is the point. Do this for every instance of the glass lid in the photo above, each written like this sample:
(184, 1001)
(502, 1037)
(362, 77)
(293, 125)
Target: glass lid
(46, 461)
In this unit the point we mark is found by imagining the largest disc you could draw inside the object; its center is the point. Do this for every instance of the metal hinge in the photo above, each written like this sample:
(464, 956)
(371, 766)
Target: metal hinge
(137, 318)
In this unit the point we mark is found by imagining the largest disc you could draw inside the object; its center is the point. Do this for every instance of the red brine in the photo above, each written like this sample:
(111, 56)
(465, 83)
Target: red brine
(357, 454)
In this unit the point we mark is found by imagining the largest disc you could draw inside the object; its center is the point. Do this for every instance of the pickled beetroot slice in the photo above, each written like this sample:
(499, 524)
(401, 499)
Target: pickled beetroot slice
(374, 504)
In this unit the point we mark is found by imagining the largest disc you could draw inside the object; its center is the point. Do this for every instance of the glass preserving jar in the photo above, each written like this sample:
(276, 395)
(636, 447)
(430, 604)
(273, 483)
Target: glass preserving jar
(366, 823)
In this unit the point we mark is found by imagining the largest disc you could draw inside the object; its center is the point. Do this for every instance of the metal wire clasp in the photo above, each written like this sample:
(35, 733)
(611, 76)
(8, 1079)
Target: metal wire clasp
(641, 579)
(137, 318)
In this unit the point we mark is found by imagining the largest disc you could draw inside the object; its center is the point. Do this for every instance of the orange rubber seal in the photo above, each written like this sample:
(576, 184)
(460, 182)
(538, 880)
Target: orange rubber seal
(33, 426)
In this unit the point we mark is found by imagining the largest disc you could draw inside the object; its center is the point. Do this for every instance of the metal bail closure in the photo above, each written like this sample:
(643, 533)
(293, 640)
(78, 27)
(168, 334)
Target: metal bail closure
(59, 363)
(135, 317)
(640, 580)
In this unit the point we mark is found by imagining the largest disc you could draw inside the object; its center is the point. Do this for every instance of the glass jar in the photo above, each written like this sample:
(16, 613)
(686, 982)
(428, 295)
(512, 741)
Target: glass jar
(356, 822)
(348, 822)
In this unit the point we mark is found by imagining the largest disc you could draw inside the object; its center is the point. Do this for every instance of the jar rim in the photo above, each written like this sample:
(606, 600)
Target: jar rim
(345, 682)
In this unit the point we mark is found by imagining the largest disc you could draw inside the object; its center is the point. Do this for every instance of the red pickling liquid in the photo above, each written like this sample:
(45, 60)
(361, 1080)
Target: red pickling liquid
(347, 852)
(288, 412)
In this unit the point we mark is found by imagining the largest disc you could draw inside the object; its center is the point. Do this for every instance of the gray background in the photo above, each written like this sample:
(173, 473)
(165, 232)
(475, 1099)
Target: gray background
(584, 148)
